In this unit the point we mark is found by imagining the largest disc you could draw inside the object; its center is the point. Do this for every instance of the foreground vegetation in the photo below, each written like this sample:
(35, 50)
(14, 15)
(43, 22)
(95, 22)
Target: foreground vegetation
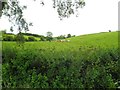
(88, 61)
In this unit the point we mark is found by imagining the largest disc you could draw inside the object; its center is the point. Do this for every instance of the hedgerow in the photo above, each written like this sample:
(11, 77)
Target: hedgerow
(40, 68)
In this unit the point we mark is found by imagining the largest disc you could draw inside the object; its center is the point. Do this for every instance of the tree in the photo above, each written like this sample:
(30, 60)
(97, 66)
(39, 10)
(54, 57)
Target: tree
(14, 11)
(69, 35)
(61, 37)
(3, 32)
(109, 30)
(49, 36)
(67, 7)
(73, 36)
(20, 38)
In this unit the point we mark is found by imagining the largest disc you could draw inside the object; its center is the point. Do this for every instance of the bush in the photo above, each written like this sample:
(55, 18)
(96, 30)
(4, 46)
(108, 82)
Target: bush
(31, 38)
(49, 38)
(39, 68)
(61, 37)
(26, 39)
(8, 38)
(42, 39)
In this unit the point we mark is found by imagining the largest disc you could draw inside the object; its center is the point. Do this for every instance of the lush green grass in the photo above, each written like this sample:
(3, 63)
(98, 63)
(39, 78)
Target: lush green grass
(86, 61)
(101, 39)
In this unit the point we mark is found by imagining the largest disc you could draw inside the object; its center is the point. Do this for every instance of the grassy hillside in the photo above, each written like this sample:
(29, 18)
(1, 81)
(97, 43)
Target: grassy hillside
(87, 61)
(107, 39)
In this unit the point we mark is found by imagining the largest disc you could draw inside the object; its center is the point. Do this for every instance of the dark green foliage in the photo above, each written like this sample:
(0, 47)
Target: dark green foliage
(3, 32)
(31, 38)
(15, 14)
(69, 35)
(61, 37)
(30, 34)
(8, 38)
(40, 68)
(20, 39)
(66, 8)
(43, 38)
(73, 36)
(49, 36)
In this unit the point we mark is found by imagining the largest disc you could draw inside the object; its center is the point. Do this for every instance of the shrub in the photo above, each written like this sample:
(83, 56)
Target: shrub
(49, 38)
(8, 38)
(31, 38)
(37, 69)
(42, 39)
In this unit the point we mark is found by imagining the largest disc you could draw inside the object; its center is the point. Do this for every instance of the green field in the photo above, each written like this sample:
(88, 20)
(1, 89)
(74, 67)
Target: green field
(87, 61)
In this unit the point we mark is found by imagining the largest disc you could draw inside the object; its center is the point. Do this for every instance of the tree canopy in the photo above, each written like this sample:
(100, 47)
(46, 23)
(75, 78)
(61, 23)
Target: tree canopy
(14, 11)
(49, 36)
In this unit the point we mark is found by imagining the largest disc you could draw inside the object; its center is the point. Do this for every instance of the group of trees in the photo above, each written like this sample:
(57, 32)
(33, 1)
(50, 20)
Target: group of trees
(64, 37)
(17, 38)
(32, 37)
(50, 38)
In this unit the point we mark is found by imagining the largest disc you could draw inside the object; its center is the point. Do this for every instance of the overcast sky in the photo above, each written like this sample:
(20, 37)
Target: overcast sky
(97, 16)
